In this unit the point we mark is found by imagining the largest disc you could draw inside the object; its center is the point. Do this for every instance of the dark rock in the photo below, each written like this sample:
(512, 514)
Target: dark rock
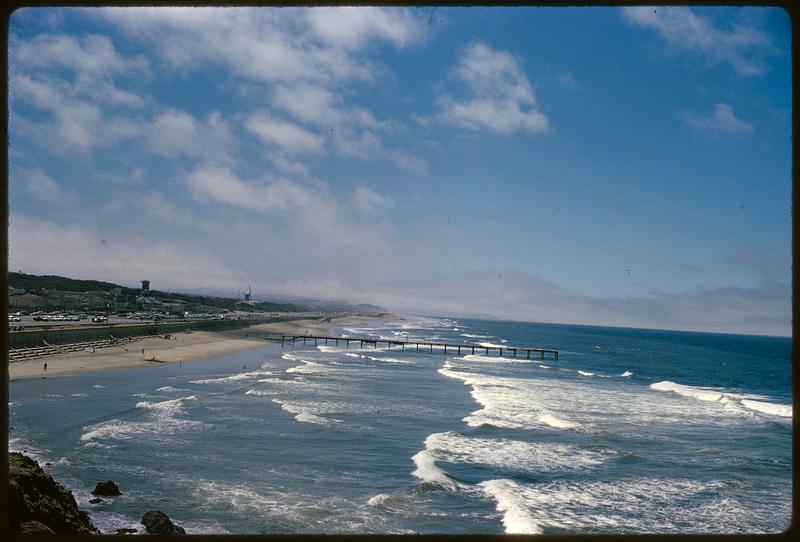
(95, 500)
(48, 464)
(106, 489)
(38, 504)
(156, 522)
(126, 530)
(34, 527)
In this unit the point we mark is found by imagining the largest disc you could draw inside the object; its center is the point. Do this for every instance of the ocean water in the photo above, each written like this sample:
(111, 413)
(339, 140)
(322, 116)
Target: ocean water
(630, 431)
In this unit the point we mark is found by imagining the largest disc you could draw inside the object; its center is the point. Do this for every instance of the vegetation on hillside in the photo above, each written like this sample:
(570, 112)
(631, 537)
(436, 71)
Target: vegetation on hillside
(40, 283)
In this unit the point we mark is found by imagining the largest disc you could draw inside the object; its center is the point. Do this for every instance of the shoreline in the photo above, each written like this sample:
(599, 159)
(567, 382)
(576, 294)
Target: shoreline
(151, 351)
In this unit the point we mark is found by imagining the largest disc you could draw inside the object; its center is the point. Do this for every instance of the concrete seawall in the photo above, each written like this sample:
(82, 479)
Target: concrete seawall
(36, 337)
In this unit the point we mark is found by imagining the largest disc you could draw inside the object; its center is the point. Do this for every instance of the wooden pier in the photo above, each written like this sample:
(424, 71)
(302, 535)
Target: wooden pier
(455, 348)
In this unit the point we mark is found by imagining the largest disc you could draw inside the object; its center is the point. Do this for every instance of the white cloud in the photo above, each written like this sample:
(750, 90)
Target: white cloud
(92, 60)
(501, 98)
(304, 57)
(268, 45)
(683, 29)
(43, 247)
(223, 186)
(721, 121)
(42, 186)
(369, 202)
(310, 212)
(174, 133)
(756, 310)
(93, 54)
(289, 137)
(73, 124)
(157, 206)
(72, 79)
(351, 27)
(288, 166)
(354, 130)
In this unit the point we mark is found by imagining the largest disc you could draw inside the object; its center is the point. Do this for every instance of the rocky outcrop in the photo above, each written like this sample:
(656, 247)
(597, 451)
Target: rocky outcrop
(156, 522)
(106, 489)
(38, 504)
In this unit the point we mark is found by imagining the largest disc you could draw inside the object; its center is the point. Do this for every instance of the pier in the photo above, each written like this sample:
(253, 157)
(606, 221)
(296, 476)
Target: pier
(419, 346)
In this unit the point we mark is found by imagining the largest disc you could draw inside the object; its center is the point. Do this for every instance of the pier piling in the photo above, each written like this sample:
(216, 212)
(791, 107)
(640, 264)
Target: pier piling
(513, 351)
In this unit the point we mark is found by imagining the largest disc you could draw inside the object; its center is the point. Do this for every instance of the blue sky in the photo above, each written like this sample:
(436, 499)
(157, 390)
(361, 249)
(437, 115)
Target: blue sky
(612, 166)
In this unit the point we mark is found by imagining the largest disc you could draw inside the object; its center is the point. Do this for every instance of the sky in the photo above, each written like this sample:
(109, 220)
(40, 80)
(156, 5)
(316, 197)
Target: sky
(620, 166)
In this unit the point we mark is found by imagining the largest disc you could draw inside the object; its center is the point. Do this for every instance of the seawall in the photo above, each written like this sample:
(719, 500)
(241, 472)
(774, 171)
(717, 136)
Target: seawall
(36, 337)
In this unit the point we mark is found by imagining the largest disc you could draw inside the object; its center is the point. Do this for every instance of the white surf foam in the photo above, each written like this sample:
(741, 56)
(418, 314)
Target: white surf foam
(737, 403)
(257, 392)
(513, 403)
(291, 356)
(304, 412)
(545, 366)
(169, 407)
(554, 421)
(512, 454)
(633, 505)
(342, 348)
(309, 367)
(232, 378)
(627, 373)
(517, 516)
(429, 473)
(98, 386)
(161, 423)
(491, 345)
(704, 394)
(476, 336)
(384, 499)
(585, 373)
(391, 360)
(114, 429)
(169, 389)
(238, 497)
(492, 359)
(774, 409)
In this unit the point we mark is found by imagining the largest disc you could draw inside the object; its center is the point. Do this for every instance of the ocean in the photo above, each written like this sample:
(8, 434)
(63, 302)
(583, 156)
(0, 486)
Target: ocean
(629, 431)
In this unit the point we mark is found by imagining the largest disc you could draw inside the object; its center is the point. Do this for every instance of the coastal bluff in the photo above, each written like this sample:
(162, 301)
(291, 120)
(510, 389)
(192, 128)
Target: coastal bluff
(37, 504)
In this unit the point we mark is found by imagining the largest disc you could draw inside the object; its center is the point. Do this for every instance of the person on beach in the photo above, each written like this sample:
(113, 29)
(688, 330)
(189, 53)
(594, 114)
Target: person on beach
(45, 366)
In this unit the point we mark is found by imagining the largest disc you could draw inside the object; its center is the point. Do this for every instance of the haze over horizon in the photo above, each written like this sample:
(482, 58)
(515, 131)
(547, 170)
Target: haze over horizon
(605, 166)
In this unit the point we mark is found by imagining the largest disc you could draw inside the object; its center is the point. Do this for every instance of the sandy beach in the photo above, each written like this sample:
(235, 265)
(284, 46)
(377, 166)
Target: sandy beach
(181, 347)
(320, 326)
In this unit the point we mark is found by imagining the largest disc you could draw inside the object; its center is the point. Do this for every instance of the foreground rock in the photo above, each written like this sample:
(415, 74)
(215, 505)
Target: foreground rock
(106, 489)
(156, 522)
(38, 504)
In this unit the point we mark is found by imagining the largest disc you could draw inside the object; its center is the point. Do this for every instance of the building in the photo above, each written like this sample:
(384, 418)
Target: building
(174, 306)
(27, 301)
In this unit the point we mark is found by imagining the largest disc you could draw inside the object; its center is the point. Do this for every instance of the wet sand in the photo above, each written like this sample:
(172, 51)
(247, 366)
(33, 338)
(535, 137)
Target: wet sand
(179, 348)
